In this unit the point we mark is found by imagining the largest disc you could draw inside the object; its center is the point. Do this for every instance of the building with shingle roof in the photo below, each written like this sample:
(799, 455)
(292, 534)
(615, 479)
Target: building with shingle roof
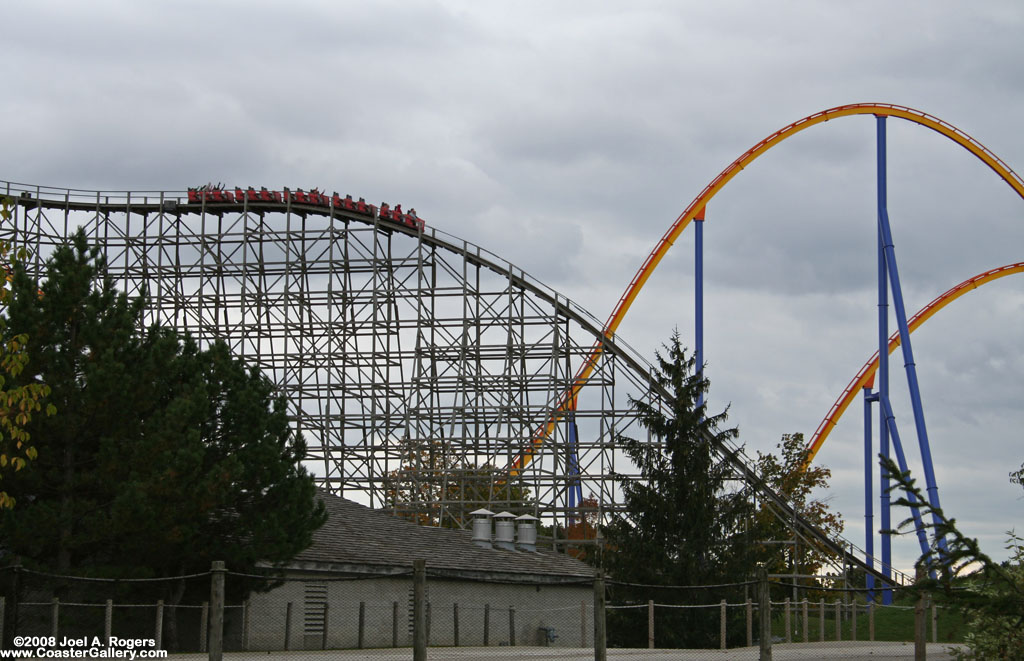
(357, 575)
(358, 539)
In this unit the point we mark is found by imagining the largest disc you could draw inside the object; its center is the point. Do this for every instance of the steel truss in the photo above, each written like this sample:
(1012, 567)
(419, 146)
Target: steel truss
(405, 354)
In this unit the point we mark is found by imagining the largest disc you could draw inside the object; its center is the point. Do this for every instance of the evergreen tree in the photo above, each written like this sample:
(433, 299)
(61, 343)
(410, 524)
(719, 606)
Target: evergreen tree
(83, 342)
(683, 523)
(988, 594)
(162, 457)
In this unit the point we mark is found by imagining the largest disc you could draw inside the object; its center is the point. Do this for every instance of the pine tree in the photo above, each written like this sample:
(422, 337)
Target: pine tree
(162, 456)
(83, 345)
(683, 522)
(988, 594)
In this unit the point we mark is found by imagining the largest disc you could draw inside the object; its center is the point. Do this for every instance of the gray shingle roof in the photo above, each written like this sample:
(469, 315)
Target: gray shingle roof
(357, 536)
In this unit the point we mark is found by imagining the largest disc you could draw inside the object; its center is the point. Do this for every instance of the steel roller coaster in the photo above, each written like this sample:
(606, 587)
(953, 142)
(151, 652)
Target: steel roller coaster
(400, 347)
(696, 211)
(888, 286)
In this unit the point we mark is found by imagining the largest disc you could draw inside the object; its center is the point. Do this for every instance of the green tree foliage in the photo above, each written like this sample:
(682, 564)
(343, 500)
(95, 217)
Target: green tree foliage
(164, 456)
(435, 487)
(990, 594)
(17, 402)
(789, 475)
(684, 524)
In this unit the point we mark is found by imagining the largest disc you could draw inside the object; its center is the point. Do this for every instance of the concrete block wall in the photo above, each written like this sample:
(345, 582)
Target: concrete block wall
(566, 609)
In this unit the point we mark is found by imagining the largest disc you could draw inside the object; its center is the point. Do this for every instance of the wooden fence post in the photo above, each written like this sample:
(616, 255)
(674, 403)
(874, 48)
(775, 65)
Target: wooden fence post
(765, 615)
(650, 624)
(750, 623)
(217, 571)
(246, 611)
(419, 611)
(721, 633)
(789, 627)
(158, 634)
(935, 623)
(600, 643)
(204, 627)
(853, 622)
(108, 621)
(920, 627)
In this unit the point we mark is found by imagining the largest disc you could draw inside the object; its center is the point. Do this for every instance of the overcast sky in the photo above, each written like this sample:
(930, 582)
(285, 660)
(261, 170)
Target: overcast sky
(567, 136)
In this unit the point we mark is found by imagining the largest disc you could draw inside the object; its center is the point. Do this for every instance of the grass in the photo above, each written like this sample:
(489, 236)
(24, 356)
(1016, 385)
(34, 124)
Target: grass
(892, 623)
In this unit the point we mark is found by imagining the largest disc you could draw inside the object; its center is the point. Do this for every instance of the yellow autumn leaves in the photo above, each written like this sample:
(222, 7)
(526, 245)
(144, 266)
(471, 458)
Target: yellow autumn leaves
(17, 404)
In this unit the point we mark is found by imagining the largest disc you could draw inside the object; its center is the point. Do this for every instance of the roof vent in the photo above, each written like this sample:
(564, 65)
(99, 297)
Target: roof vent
(505, 531)
(527, 532)
(482, 527)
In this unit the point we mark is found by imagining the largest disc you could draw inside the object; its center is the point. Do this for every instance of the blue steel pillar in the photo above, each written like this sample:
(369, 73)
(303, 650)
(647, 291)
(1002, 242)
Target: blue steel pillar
(883, 363)
(575, 488)
(901, 461)
(869, 496)
(698, 298)
(887, 266)
(908, 356)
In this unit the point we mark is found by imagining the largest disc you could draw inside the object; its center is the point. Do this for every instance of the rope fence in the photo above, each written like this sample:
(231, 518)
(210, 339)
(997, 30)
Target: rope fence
(413, 611)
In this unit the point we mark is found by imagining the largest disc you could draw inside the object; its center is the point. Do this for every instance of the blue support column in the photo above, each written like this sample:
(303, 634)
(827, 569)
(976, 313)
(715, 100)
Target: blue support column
(869, 496)
(888, 255)
(911, 367)
(883, 364)
(909, 364)
(901, 461)
(575, 488)
(698, 298)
